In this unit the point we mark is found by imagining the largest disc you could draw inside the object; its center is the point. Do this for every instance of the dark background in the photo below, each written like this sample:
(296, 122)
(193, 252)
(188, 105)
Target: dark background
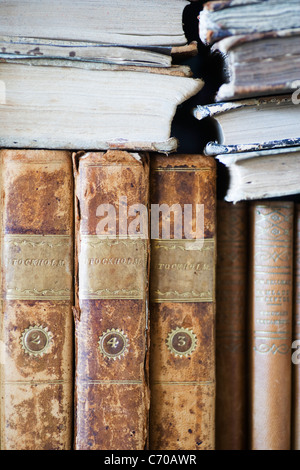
(192, 134)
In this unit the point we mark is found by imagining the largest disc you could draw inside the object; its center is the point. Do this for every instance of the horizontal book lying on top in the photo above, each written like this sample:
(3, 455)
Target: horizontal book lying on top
(262, 174)
(225, 18)
(124, 22)
(63, 104)
(259, 64)
(252, 124)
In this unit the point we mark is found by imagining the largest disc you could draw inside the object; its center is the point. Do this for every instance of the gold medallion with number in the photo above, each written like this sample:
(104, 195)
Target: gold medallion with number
(181, 342)
(113, 343)
(35, 340)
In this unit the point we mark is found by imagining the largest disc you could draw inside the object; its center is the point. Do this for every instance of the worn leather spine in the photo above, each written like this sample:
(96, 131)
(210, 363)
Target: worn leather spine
(296, 336)
(111, 315)
(182, 299)
(231, 317)
(37, 296)
(271, 292)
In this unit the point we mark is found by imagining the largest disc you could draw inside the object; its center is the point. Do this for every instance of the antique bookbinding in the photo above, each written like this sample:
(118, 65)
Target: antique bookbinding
(182, 299)
(296, 336)
(36, 328)
(231, 315)
(111, 316)
(271, 291)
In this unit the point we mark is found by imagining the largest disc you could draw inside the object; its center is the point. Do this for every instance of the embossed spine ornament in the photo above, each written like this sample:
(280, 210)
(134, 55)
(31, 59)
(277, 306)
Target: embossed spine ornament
(111, 318)
(35, 340)
(36, 324)
(182, 307)
(271, 298)
(296, 334)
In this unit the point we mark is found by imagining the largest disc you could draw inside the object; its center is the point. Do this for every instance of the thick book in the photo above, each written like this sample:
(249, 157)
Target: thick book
(182, 302)
(231, 325)
(262, 174)
(36, 328)
(259, 64)
(111, 302)
(270, 327)
(126, 32)
(126, 22)
(252, 124)
(77, 106)
(224, 18)
(296, 336)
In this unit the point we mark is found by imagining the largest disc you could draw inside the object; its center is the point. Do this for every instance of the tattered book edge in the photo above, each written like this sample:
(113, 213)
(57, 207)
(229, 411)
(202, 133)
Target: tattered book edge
(173, 70)
(230, 91)
(211, 31)
(168, 146)
(39, 41)
(222, 4)
(229, 159)
(235, 196)
(227, 44)
(214, 109)
(106, 53)
(214, 148)
(184, 52)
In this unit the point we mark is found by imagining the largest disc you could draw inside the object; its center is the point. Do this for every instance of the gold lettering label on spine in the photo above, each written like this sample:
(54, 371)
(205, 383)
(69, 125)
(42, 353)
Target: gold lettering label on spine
(112, 268)
(182, 270)
(37, 267)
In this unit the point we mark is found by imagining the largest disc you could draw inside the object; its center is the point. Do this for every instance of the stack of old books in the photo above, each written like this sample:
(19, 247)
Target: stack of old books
(110, 273)
(88, 91)
(92, 76)
(257, 113)
(257, 108)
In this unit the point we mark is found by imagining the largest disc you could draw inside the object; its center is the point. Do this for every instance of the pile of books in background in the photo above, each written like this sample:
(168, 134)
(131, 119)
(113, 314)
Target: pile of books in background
(258, 106)
(258, 114)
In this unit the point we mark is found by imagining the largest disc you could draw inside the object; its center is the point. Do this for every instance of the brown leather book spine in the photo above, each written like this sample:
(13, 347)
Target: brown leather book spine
(182, 299)
(37, 296)
(111, 316)
(296, 335)
(231, 317)
(271, 292)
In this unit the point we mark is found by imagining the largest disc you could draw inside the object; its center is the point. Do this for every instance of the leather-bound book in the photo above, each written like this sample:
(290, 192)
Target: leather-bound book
(37, 297)
(111, 313)
(182, 302)
(271, 299)
(296, 336)
(231, 317)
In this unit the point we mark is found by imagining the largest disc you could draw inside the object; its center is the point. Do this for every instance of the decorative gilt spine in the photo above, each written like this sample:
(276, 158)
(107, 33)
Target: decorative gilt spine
(271, 291)
(36, 327)
(296, 334)
(182, 312)
(111, 317)
(231, 310)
